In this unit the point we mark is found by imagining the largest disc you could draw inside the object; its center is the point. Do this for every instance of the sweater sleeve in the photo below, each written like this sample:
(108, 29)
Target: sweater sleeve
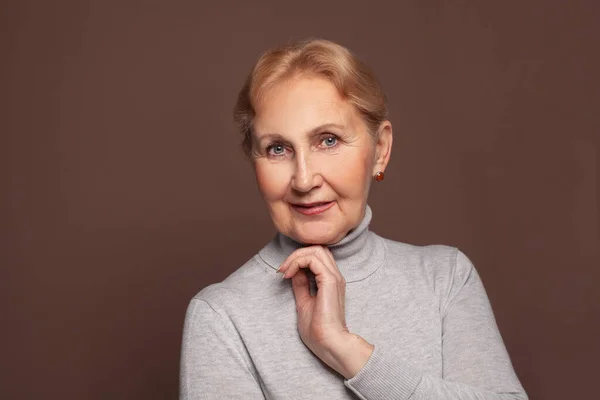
(476, 364)
(214, 364)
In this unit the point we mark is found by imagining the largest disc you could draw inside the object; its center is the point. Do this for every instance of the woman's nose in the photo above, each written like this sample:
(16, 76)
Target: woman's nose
(306, 174)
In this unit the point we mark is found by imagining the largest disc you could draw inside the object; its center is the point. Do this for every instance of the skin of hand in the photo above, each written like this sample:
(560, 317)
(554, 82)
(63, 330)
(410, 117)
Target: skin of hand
(321, 318)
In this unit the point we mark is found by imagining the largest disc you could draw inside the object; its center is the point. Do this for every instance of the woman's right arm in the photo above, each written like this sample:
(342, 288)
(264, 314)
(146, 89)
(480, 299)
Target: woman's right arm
(214, 364)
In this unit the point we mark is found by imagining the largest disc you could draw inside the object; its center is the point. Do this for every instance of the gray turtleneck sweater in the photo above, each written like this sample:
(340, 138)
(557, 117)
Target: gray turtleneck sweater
(424, 309)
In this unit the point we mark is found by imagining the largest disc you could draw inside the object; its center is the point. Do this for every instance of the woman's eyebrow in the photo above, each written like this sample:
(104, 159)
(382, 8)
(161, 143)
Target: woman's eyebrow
(326, 126)
(318, 129)
(271, 137)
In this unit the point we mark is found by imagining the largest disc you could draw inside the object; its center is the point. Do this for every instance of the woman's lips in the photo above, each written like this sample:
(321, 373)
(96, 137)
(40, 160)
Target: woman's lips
(313, 208)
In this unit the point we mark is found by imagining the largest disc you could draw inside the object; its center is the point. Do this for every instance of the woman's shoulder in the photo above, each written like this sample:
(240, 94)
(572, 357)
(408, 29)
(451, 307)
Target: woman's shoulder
(438, 261)
(241, 281)
(429, 252)
(438, 269)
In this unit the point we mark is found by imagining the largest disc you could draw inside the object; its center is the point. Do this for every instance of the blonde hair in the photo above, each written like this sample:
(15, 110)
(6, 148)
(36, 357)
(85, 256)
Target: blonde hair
(354, 80)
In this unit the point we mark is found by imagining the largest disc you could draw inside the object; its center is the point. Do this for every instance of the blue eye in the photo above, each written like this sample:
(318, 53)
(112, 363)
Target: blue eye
(276, 149)
(330, 141)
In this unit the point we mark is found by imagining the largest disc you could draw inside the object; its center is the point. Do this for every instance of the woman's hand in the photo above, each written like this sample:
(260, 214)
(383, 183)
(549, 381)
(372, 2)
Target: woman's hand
(321, 318)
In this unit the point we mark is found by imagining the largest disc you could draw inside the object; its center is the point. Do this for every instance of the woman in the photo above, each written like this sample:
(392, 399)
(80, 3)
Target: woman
(328, 309)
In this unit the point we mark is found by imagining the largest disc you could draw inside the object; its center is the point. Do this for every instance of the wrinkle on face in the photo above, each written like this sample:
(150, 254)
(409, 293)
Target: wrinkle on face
(289, 114)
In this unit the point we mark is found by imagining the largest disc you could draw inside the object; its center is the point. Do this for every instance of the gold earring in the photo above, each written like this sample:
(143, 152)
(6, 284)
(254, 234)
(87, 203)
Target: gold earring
(379, 176)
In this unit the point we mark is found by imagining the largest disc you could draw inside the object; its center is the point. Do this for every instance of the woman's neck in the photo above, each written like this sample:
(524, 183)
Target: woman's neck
(357, 255)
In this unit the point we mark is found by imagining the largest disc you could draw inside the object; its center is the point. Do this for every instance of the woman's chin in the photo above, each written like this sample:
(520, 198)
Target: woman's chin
(317, 235)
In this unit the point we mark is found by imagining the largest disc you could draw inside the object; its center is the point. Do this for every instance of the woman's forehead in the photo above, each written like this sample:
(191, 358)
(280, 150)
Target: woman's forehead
(302, 106)
(302, 119)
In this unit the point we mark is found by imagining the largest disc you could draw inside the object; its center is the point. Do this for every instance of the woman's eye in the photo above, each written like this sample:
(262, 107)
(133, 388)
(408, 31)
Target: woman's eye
(330, 141)
(276, 149)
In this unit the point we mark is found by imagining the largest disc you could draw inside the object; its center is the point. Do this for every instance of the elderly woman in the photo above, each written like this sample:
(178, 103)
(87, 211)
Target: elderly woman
(328, 309)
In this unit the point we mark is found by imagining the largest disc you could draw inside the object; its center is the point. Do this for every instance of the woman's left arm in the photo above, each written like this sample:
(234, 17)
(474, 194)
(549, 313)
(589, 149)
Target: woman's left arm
(476, 364)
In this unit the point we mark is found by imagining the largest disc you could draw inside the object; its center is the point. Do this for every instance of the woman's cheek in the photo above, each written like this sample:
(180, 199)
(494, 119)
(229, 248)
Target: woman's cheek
(272, 179)
(348, 172)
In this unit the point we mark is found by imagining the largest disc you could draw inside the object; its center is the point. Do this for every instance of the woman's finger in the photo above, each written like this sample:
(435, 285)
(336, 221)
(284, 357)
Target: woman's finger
(301, 288)
(304, 251)
(329, 254)
(319, 252)
(312, 262)
(325, 255)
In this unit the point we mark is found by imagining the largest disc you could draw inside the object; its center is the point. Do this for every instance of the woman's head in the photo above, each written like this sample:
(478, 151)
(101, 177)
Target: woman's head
(314, 123)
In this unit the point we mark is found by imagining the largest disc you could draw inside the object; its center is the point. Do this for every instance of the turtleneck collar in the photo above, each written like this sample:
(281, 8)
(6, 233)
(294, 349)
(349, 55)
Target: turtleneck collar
(357, 255)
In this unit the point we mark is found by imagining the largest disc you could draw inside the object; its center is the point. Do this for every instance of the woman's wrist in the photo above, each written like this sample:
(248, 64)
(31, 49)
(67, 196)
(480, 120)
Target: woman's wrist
(350, 354)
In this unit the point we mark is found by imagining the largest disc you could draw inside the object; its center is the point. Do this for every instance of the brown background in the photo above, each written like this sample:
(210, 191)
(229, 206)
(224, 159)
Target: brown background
(124, 191)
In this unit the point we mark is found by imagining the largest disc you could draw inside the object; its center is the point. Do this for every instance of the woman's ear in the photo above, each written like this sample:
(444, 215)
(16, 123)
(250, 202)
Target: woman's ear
(383, 146)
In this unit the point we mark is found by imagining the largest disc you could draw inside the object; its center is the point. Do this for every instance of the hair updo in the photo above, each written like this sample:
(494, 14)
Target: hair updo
(354, 80)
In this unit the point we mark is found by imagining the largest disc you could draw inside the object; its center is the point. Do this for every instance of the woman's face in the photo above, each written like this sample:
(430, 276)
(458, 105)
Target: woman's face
(314, 160)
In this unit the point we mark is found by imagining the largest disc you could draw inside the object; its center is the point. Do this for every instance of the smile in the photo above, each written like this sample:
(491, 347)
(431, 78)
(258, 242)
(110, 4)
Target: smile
(313, 208)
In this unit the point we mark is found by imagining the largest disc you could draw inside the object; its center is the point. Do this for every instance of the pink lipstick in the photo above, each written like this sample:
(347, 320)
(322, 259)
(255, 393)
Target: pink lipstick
(313, 208)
